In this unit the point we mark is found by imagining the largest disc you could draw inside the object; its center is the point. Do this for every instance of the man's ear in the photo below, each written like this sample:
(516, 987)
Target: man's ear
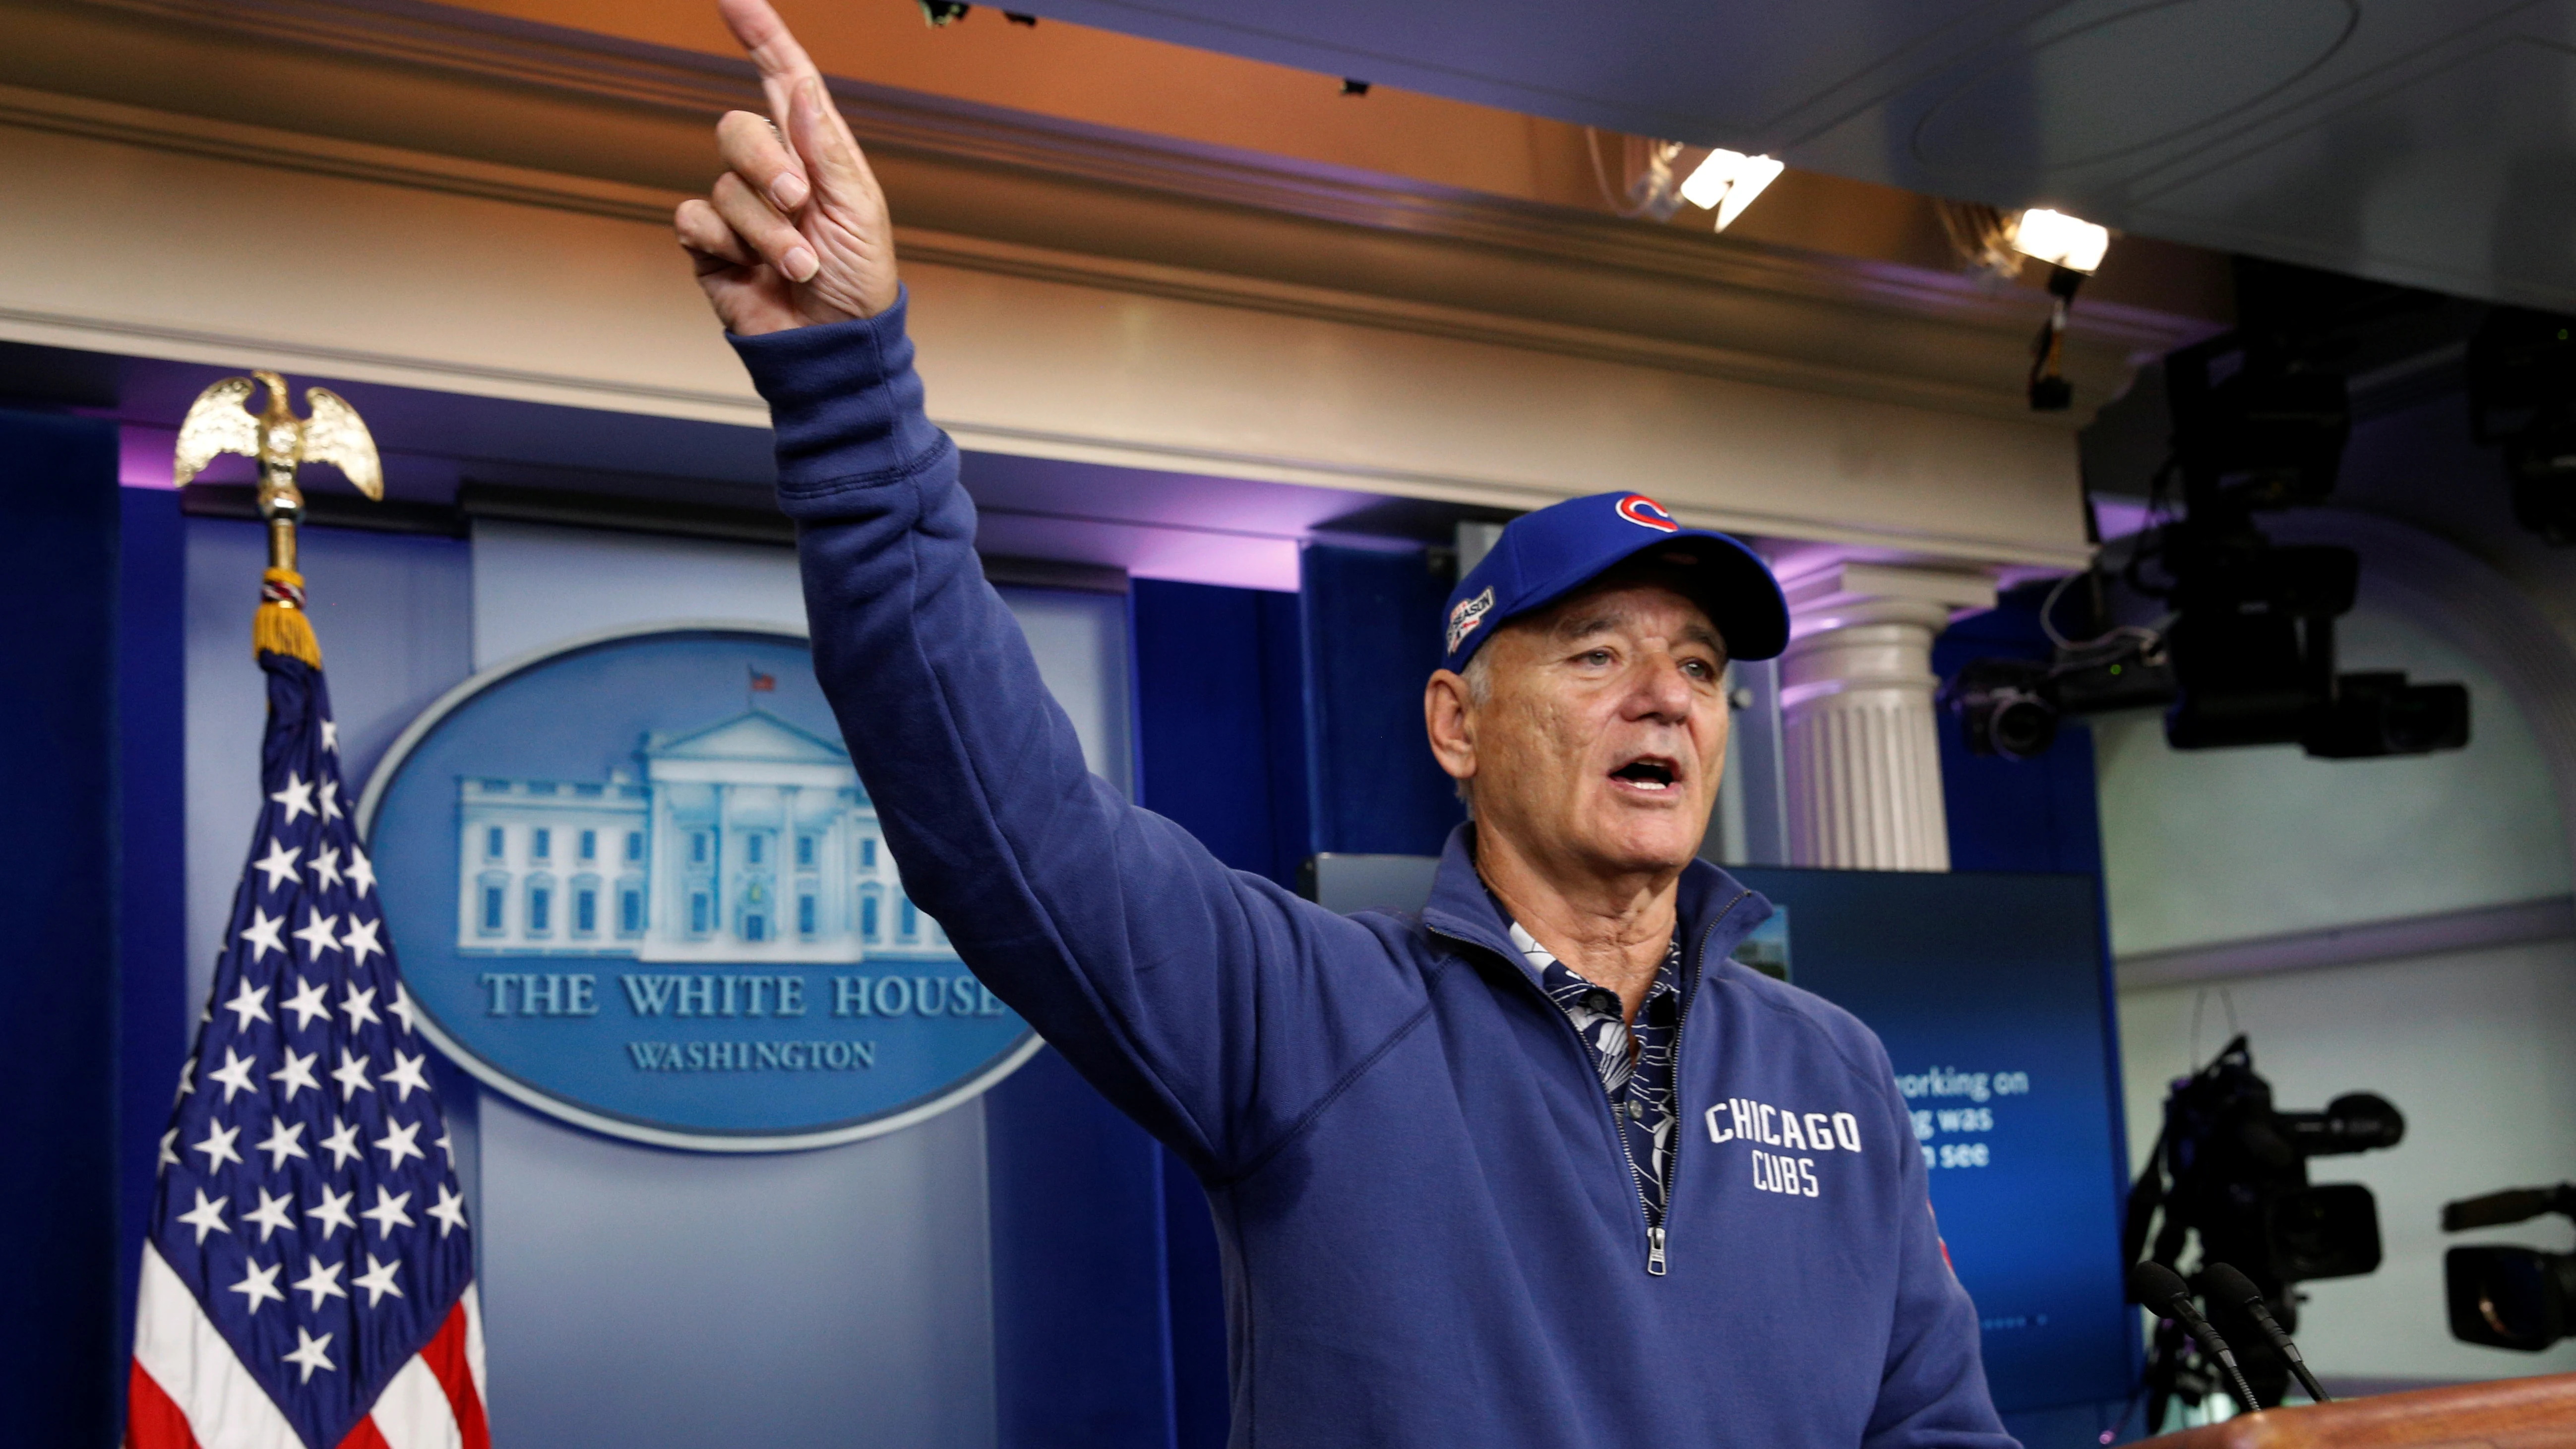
(1445, 719)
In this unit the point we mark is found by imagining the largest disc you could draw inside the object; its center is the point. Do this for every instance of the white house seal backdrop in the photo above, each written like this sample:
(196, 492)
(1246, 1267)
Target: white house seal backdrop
(636, 884)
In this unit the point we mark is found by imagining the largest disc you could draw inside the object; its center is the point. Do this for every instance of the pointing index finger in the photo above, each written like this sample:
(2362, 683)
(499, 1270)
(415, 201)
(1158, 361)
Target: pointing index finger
(782, 63)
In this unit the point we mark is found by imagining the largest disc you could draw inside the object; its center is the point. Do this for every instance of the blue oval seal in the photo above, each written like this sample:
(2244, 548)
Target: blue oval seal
(635, 883)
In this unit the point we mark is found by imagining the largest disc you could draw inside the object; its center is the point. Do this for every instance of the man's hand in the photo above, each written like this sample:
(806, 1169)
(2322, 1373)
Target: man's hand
(795, 232)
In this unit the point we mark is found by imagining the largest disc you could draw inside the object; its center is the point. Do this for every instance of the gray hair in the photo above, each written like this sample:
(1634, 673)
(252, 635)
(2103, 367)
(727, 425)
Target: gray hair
(1479, 677)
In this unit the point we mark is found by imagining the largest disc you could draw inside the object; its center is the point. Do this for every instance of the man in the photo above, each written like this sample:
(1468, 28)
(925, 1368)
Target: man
(1540, 1166)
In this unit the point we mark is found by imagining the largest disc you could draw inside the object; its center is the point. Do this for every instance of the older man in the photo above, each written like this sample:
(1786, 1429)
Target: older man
(1538, 1166)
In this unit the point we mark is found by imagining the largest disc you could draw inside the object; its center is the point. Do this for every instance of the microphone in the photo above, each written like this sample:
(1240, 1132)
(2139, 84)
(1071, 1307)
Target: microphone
(2226, 1285)
(2513, 1206)
(2155, 1286)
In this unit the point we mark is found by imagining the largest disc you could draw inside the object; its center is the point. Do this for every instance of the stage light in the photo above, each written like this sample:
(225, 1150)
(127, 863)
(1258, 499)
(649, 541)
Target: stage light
(2053, 236)
(1727, 182)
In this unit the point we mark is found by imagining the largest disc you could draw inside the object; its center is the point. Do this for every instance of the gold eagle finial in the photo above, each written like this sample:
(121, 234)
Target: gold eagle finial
(220, 421)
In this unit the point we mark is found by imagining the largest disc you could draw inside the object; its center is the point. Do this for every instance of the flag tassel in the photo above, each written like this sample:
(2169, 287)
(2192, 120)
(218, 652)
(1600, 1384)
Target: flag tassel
(281, 627)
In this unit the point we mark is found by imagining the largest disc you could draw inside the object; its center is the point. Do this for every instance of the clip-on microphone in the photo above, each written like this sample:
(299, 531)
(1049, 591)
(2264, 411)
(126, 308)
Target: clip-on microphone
(2226, 1285)
(2154, 1286)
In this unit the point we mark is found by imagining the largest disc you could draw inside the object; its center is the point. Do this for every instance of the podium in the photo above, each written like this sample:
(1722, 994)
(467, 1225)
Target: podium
(2535, 1413)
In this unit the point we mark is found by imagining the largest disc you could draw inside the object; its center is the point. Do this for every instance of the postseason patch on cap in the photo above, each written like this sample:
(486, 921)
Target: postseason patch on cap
(1639, 509)
(1467, 615)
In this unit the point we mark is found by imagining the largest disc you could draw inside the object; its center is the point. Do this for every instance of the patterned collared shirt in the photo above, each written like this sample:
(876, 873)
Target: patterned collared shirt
(1635, 1064)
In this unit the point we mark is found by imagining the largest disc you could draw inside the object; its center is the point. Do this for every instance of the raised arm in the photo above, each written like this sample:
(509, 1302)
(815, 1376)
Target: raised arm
(1196, 997)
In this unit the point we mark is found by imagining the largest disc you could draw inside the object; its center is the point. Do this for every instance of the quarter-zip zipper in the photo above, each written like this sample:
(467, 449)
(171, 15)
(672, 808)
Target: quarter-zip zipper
(1698, 974)
(1696, 968)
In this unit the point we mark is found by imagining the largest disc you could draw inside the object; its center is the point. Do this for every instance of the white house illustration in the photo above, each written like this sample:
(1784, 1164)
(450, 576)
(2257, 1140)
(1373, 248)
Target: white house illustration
(750, 840)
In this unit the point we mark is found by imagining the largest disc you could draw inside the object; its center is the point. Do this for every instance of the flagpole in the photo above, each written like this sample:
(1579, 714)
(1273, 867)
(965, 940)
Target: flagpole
(281, 626)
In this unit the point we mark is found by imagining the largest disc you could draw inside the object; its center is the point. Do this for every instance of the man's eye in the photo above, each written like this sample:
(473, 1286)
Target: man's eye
(1597, 656)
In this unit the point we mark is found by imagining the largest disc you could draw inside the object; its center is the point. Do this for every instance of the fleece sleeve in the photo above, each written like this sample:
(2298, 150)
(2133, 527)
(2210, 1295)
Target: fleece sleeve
(1196, 997)
(1932, 1394)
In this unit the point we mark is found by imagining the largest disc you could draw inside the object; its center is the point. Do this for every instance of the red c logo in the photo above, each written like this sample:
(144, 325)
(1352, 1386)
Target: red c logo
(1639, 509)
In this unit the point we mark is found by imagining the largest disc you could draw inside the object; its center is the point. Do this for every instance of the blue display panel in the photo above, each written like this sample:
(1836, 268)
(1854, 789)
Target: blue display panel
(1992, 996)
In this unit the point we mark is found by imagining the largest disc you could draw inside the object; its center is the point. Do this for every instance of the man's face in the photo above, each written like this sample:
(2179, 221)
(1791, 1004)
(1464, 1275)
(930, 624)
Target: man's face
(1602, 736)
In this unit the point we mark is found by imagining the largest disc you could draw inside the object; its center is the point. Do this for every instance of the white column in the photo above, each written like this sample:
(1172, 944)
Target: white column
(1856, 685)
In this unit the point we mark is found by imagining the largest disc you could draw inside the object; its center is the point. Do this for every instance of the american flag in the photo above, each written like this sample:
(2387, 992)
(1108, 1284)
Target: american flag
(309, 1275)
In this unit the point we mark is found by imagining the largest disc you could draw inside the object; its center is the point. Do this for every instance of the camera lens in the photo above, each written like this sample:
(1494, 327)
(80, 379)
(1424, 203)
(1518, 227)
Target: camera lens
(2021, 725)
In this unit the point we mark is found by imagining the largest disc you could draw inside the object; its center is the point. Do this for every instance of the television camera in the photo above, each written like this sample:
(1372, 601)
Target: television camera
(2505, 1296)
(2231, 1169)
(2240, 646)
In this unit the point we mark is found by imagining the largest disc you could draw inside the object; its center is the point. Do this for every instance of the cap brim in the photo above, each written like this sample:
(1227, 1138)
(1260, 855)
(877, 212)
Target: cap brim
(1736, 589)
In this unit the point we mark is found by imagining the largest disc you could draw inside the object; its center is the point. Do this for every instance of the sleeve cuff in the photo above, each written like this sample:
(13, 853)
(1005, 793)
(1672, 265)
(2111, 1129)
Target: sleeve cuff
(844, 401)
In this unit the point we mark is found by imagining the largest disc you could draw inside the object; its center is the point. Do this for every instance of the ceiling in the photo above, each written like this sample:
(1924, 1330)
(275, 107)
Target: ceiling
(2425, 142)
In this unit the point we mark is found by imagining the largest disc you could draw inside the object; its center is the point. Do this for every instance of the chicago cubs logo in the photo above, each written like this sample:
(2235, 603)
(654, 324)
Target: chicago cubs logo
(1469, 613)
(1639, 509)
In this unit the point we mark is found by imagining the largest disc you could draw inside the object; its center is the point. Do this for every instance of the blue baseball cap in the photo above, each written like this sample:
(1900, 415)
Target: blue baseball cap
(1546, 555)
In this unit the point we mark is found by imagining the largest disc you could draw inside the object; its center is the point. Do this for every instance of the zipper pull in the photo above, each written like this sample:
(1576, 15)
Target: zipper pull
(1655, 1250)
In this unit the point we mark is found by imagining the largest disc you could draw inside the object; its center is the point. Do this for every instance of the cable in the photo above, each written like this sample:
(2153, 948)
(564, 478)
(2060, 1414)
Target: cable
(1632, 206)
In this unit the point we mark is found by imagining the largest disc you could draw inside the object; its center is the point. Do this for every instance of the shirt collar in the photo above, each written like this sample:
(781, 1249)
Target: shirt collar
(1460, 907)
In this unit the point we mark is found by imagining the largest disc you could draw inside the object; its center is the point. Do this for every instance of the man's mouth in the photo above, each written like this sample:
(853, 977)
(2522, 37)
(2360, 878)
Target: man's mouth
(1648, 772)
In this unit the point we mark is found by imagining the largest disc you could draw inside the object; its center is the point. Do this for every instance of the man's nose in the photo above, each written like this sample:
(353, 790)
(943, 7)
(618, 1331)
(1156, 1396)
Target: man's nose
(1662, 688)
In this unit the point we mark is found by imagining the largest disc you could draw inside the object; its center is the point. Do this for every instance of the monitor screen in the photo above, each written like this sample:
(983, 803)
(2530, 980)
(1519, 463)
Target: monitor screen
(1992, 996)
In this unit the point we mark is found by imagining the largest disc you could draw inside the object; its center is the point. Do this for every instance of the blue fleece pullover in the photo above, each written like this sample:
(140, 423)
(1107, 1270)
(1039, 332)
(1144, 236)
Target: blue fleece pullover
(1429, 1232)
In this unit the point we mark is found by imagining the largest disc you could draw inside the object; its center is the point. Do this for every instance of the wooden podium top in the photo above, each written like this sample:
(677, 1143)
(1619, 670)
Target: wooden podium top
(2535, 1413)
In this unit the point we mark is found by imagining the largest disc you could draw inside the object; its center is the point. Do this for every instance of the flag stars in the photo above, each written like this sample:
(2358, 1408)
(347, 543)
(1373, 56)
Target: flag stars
(279, 864)
(449, 1209)
(333, 1214)
(406, 1074)
(235, 1073)
(259, 1285)
(388, 1212)
(326, 868)
(378, 1280)
(351, 1074)
(307, 1002)
(249, 1004)
(261, 935)
(297, 1074)
(284, 1140)
(396, 1144)
(206, 1217)
(218, 1147)
(297, 797)
(320, 1279)
(309, 1354)
(271, 1214)
(320, 933)
(342, 1144)
(307, 893)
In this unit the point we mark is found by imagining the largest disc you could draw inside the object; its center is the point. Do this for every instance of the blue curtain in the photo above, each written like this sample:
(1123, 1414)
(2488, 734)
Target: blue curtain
(61, 1359)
